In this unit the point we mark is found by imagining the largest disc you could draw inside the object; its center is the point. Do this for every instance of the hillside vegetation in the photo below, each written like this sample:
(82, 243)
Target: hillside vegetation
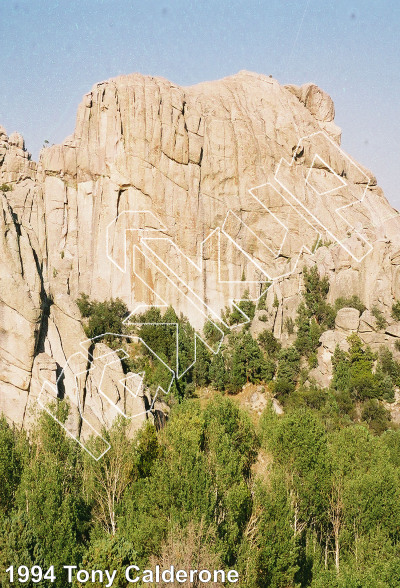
(306, 498)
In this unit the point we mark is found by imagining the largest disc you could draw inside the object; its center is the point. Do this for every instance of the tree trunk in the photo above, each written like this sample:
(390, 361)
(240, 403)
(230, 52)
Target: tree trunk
(337, 550)
(326, 552)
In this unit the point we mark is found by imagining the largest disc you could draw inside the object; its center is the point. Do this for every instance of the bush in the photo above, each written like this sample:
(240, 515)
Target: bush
(385, 387)
(312, 360)
(313, 397)
(263, 298)
(314, 315)
(345, 403)
(84, 305)
(381, 322)
(289, 325)
(246, 306)
(283, 387)
(269, 342)
(104, 317)
(351, 302)
(213, 332)
(308, 331)
(245, 362)
(376, 415)
(353, 371)
(396, 310)
(288, 370)
(388, 365)
(6, 188)
(316, 291)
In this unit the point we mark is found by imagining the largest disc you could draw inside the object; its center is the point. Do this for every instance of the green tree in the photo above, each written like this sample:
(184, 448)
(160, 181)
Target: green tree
(247, 308)
(388, 365)
(268, 554)
(269, 343)
(107, 479)
(376, 415)
(396, 310)
(245, 361)
(109, 552)
(316, 291)
(10, 465)
(85, 305)
(353, 371)
(202, 476)
(381, 322)
(103, 317)
(287, 371)
(217, 372)
(50, 501)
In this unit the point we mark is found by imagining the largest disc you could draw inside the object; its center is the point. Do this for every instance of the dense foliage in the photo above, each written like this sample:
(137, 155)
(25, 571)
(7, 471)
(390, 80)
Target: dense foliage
(308, 498)
(321, 511)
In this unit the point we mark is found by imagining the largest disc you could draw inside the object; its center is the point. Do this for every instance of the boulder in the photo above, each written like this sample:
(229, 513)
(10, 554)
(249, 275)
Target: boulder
(367, 322)
(347, 319)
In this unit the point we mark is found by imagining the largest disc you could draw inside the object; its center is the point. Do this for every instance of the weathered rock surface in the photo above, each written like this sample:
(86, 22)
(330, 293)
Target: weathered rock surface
(329, 340)
(75, 222)
(347, 319)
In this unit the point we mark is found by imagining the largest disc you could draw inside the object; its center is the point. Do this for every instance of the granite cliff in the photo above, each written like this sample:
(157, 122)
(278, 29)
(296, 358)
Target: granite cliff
(185, 196)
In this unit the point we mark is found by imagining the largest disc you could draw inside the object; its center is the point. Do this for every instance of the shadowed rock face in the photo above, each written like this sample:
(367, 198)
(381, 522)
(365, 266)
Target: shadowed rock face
(188, 157)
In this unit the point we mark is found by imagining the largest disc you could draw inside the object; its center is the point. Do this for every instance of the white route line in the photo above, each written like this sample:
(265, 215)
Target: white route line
(142, 218)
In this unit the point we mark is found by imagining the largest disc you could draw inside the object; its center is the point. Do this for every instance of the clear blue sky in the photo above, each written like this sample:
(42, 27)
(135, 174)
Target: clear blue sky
(52, 52)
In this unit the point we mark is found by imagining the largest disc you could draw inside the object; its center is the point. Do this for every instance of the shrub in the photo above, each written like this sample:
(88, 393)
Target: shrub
(104, 317)
(263, 297)
(376, 415)
(269, 342)
(283, 387)
(84, 305)
(385, 387)
(246, 306)
(217, 372)
(212, 332)
(379, 317)
(320, 243)
(245, 362)
(308, 331)
(313, 397)
(5, 188)
(316, 291)
(345, 403)
(388, 365)
(353, 371)
(313, 360)
(288, 370)
(289, 325)
(351, 302)
(341, 370)
(314, 315)
(240, 361)
(396, 310)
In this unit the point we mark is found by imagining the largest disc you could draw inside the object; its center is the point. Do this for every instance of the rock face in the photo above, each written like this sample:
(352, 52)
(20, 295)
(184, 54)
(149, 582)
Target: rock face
(184, 196)
(347, 319)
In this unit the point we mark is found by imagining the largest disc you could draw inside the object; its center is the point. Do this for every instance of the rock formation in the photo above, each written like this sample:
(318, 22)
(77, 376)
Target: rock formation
(185, 196)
